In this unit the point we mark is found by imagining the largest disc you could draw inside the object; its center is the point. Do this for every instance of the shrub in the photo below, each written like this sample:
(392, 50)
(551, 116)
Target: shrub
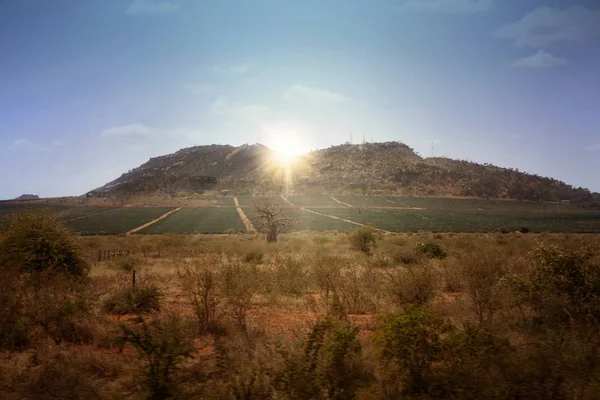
(408, 345)
(524, 229)
(563, 286)
(412, 285)
(254, 256)
(137, 300)
(431, 250)
(164, 345)
(241, 284)
(330, 366)
(363, 239)
(203, 289)
(504, 230)
(36, 241)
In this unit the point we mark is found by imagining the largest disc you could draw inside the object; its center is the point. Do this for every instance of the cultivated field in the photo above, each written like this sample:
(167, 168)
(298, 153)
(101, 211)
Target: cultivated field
(337, 213)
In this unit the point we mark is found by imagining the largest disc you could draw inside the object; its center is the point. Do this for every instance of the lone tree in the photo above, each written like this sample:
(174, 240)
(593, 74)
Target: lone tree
(273, 223)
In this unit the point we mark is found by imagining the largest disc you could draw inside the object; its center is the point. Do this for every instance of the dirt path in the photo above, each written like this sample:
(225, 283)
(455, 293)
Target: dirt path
(329, 216)
(341, 202)
(91, 215)
(139, 228)
(245, 220)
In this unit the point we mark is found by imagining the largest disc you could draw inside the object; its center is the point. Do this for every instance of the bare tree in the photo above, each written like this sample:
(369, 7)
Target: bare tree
(273, 223)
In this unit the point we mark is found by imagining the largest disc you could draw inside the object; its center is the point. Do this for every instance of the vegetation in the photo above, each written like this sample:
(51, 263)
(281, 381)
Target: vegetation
(501, 316)
(272, 220)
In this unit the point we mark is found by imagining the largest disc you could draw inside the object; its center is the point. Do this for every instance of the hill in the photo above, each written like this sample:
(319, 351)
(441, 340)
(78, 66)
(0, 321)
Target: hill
(370, 168)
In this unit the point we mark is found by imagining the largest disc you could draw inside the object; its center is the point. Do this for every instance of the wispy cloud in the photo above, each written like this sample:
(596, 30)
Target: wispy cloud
(546, 26)
(541, 59)
(236, 69)
(28, 146)
(131, 131)
(311, 94)
(141, 7)
(448, 6)
(222, 106)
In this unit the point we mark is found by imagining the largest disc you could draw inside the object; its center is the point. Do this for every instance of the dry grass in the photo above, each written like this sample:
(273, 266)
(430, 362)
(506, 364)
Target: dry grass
(249, 317)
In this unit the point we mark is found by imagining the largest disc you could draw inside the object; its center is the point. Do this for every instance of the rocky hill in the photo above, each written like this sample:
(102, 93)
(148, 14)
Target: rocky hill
(370, 168)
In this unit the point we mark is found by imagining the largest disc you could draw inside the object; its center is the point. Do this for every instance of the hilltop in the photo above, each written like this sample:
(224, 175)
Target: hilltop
(389, 168)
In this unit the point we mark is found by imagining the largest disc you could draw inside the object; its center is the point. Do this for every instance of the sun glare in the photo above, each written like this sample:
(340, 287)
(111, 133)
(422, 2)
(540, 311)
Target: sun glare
(287, 146)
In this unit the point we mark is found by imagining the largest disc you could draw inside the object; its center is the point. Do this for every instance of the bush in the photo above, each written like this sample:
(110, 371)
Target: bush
(363, 239)
(524, 229)
(412, 285)
(408, 345)
(203, 291)
(134, 301)
(254, 256)
(563, 286)
(431, 250)
(37, 241)
(330, 366)
(504, 230)
(164, 345)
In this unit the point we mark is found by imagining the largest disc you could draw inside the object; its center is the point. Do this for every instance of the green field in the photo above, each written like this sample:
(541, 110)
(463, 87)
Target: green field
(118, 221)
(199, 220)
(440, 220)
(398, 214)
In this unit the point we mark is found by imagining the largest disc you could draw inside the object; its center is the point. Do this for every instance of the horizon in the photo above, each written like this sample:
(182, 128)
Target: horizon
(92, 90)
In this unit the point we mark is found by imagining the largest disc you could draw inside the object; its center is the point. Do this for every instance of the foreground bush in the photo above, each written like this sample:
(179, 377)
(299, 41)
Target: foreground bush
(431, 250)
(134, 301)
(37, 241)
(44, 281)
(330, 366)
(363, 239)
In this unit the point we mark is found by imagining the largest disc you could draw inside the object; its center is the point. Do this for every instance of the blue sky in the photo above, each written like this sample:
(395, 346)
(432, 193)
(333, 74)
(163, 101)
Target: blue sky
(91, 89)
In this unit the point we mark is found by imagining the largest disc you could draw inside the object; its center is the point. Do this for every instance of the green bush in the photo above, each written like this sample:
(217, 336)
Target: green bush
(431, 250)
(330, 366)
(164, 345)
(524, 229)
(363, 239)
(37, 241)
(134, 301)
(563, 286)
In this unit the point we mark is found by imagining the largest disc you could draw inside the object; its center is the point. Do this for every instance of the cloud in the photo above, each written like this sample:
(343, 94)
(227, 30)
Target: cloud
(237, 69)
(311, 94)
(541, 59)
(135, 131)
(223, 107)
(28, 146)
(546, 26)
(154, 7)
(448, 6)
(199, 87)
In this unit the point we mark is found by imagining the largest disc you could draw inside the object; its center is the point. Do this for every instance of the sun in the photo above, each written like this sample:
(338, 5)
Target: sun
(288, 146)
(287, 154)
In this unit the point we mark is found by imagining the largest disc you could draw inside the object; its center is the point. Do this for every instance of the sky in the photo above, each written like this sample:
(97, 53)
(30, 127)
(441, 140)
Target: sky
(92, 89)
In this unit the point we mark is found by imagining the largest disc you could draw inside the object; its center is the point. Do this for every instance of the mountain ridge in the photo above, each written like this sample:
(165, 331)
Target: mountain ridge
(387, 168)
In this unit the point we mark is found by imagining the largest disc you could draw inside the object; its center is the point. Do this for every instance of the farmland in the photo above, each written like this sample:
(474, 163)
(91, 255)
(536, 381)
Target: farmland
(199, 220)
(325, 213)
(116, 222)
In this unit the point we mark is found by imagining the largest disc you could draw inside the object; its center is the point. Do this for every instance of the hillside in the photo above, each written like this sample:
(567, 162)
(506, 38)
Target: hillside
(370, 168)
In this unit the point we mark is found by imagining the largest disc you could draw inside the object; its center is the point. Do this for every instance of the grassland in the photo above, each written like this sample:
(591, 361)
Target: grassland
(231, 315)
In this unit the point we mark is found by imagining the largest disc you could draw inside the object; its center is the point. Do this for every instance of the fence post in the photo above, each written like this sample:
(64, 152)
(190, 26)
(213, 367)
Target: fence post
(99, 255)
(133, 279)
